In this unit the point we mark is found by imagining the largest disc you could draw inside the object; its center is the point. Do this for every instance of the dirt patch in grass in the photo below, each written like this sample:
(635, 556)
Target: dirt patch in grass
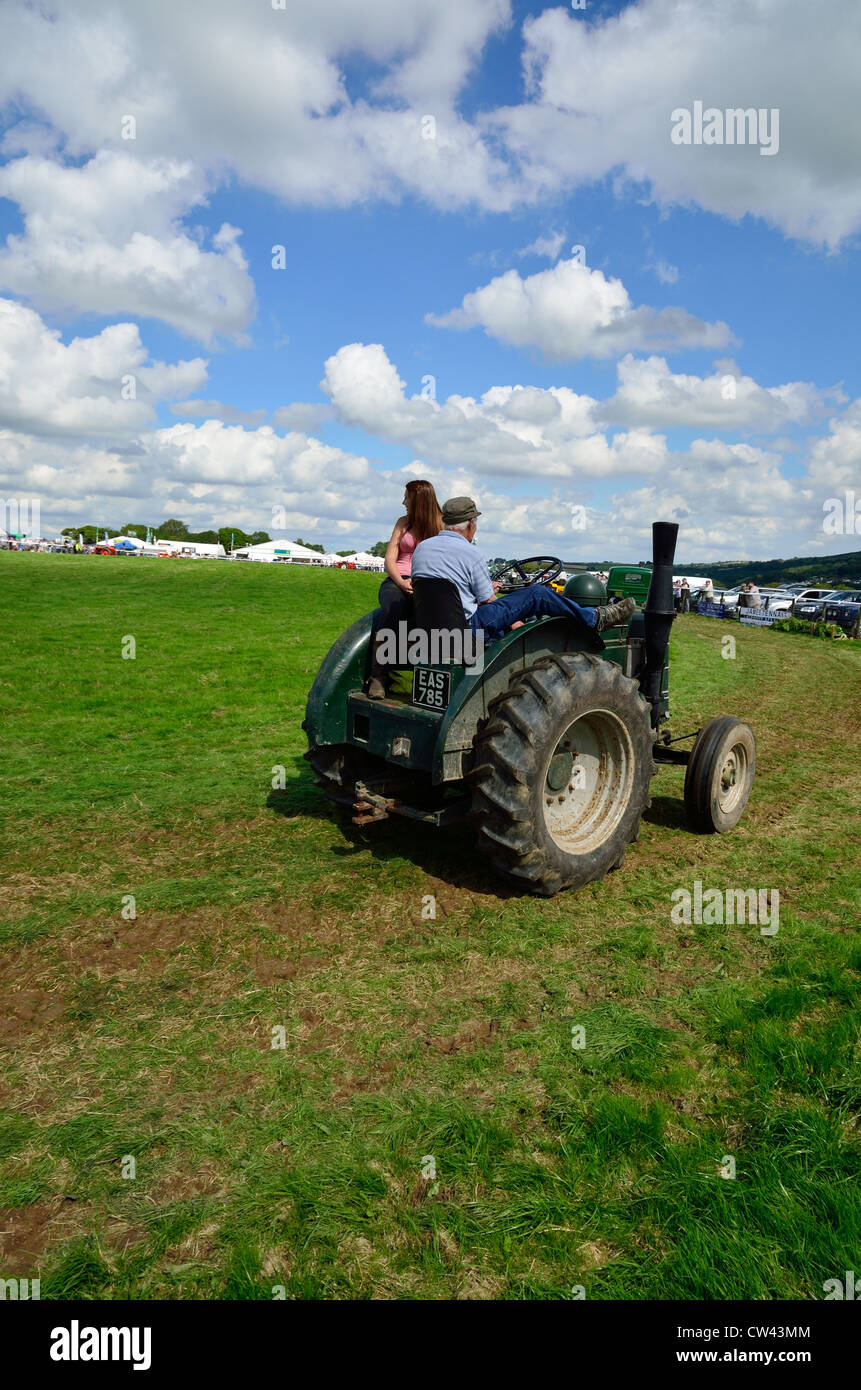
(26, 1232)
(475, 1032)
(25, 1009)
(202, 1181)
(30, 978)
(376, 1079)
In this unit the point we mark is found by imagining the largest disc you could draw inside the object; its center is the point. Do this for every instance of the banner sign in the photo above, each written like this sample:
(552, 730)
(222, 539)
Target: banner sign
(711, 610)
(760, 617)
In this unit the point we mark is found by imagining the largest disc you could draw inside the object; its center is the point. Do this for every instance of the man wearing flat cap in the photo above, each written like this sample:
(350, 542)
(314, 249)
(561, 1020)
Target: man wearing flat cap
(451, 555)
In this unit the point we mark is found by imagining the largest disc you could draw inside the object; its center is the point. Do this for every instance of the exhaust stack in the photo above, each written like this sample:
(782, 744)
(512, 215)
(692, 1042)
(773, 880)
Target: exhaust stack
(658, 613)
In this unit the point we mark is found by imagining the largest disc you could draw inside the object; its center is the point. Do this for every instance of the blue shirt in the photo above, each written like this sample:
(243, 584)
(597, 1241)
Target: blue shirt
(450, 556)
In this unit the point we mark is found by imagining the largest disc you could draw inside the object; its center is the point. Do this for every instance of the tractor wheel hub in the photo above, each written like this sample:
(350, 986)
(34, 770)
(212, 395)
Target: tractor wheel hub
(588, 788)
(559, 771)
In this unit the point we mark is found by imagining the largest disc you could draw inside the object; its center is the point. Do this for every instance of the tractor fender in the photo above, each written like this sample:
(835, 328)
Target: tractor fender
(341, 672)
(505, 659)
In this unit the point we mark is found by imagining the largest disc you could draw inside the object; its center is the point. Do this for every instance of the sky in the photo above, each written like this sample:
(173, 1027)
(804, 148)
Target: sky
(267, 260)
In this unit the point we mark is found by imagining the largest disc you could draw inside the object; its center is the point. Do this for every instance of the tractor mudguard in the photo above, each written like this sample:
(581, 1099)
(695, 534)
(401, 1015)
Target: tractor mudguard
(505, 659)
(341, 672)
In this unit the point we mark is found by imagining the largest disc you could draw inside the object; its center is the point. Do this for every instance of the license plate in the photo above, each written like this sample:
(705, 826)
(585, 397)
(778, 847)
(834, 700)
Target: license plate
(431, 689)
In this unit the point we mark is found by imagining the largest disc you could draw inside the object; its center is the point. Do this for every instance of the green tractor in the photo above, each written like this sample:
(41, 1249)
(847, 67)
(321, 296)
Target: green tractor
(547, 745)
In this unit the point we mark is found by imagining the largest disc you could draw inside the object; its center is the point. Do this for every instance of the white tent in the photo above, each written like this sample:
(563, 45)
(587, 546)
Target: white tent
(280, 550)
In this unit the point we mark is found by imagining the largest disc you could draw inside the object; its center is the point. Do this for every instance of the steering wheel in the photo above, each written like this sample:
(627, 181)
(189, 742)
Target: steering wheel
(522, 574)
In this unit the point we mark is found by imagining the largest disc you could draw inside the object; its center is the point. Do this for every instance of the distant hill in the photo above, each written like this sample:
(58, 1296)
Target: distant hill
(818, 569)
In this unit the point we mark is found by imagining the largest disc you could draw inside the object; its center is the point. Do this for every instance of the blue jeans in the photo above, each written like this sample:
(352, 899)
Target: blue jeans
(538, 601)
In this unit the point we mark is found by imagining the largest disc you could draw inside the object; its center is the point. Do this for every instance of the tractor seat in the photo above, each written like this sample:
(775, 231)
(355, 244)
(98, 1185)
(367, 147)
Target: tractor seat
(436, 604)
(437, 607)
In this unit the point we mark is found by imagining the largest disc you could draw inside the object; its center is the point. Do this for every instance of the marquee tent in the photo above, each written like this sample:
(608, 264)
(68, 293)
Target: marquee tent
(281, 550)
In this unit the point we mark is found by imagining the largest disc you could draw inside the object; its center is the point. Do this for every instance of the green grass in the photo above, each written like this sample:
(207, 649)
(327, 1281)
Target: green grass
(411, 1044)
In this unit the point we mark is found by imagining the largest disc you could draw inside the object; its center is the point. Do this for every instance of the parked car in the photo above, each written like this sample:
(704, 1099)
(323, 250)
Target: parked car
(813, 609)
(803, 594)
(843, 610)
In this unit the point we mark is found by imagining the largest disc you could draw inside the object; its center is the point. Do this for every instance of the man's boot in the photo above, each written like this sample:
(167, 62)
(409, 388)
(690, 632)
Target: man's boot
(612, 614)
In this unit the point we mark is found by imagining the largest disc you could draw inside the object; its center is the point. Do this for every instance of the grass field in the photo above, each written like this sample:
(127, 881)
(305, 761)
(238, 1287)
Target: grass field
(411, 1044)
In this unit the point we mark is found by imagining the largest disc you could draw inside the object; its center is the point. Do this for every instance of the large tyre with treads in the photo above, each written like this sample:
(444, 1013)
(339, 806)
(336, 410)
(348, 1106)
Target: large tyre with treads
(561, 772)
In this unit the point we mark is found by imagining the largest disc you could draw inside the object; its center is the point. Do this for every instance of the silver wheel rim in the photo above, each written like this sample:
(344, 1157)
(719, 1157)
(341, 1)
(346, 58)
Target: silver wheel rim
(732, 779)
(588, 782)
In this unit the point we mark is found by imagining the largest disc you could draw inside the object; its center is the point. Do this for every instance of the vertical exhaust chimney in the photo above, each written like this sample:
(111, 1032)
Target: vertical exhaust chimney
(658, 613)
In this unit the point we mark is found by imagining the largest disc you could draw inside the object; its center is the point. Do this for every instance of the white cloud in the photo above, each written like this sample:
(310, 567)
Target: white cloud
(83, 388)
(651, 395)
(526, 431)
(835, 460)
(602, 94)
(730, 500)
(547, 246)
(512, 431)
(266, 92)
(207, 473)
(571, 311)
(666, 273)
(66, 438)
(105, 237)
(273, 95)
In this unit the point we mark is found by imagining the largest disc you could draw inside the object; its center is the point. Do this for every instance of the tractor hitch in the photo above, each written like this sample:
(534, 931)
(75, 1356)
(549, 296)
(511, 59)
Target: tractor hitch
(369, 806)
(373, 806)
(664, 753)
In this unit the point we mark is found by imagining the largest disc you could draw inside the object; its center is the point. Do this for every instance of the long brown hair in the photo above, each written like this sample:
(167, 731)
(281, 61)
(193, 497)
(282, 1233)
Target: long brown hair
(424, 515)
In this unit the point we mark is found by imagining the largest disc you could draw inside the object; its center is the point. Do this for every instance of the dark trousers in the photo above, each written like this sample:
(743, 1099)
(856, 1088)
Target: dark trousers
(539, 600)
(394, 605)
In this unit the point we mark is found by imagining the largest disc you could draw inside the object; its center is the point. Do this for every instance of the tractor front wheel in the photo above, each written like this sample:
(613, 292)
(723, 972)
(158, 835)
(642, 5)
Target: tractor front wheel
(561, 772)
(720, 774)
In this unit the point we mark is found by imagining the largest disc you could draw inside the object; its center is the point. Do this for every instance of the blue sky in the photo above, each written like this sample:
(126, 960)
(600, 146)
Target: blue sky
(696, 361)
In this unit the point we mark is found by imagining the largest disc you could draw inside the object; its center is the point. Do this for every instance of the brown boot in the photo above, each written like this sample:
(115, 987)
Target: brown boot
(376, 689)
(613, 614)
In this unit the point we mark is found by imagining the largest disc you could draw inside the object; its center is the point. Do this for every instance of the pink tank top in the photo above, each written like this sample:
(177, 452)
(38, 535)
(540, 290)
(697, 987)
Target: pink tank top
(404, 562)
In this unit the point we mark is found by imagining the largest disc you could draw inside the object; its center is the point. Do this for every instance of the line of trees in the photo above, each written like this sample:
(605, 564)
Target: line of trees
(231, 537)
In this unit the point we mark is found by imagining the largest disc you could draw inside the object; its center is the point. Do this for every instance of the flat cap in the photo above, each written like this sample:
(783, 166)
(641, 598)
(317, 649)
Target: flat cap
(459, 509)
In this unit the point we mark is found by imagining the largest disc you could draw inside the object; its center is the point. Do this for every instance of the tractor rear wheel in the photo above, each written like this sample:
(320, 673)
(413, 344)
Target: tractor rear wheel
(720, 774)
(561, 772)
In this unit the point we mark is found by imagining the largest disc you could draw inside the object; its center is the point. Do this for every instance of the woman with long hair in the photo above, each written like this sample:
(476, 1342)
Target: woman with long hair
(423, 519)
